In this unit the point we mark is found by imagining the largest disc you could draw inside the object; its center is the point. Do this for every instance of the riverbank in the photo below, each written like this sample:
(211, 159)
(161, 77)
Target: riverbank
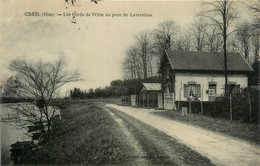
(10, 134)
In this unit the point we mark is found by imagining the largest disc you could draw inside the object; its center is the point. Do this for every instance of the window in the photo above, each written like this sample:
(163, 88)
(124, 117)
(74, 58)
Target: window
(192, 89)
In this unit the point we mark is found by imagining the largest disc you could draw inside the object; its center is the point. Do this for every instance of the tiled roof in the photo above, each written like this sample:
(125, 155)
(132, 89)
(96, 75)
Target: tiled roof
(208, 61)
(152, 86)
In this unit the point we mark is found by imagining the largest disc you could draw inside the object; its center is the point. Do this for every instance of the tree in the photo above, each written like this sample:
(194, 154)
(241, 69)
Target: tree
(40, 81)
(222, 14)
(77, 93)
(213, 39)
(116, 87)
(254, 6)
(144, 51)
(163, 37)
(243, 35)
(183, 42)
(90, 93)
(10, 87)
(139, 61)
(255, 43)
(199, 33)
(131, 64)
(98, 92)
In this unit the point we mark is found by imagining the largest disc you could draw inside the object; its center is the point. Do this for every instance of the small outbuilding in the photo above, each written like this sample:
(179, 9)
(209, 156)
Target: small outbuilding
(149, 95)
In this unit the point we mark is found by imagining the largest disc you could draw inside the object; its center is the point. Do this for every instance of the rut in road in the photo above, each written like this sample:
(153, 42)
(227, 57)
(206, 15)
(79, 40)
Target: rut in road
(139, 156)
(159, 148)
(220, 149)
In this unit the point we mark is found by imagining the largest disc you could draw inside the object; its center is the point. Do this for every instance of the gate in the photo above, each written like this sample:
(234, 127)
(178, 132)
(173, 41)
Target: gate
(169, 102)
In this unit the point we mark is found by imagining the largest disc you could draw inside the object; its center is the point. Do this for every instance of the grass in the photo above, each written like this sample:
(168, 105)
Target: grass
(248, 132)
(160, 148)
(87, 135)
(113, 100)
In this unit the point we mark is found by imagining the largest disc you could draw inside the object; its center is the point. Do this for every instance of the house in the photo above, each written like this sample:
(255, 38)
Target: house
(148, 95)
(200, 75)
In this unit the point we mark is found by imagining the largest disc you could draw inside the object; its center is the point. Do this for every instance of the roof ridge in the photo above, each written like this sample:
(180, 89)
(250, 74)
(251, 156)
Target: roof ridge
(201, 51)
(192, 60)
(246, 62)
(169, 58)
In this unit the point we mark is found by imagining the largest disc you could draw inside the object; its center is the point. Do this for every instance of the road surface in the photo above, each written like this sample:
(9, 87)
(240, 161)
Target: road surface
(219, 148)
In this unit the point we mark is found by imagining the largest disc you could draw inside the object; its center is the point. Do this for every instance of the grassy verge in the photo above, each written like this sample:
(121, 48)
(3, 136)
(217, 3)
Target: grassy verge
(160, 148)
(87, 135)
(248, 132)
(113, 100)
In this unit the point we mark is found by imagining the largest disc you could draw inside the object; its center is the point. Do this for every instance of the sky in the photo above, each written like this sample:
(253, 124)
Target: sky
(96, 46)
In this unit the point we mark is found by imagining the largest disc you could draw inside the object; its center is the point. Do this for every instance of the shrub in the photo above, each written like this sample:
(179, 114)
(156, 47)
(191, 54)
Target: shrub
(240, 106)
(220, 108)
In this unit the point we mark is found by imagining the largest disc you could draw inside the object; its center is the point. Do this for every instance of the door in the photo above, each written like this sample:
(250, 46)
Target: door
(212, 92)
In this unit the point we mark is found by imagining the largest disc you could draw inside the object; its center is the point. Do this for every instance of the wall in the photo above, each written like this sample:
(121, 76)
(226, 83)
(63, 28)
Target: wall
(203, 80)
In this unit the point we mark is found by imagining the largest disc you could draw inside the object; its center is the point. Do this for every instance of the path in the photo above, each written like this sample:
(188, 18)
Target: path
(140, 160)
(220, 149)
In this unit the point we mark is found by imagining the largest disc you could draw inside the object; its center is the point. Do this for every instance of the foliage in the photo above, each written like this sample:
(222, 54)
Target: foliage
(240, 106)
(10, 87)
(20, 151)
(116, 88)
(77, 93)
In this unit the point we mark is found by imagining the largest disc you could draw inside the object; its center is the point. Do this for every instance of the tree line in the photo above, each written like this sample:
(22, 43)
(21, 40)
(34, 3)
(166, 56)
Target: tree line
(116, 88)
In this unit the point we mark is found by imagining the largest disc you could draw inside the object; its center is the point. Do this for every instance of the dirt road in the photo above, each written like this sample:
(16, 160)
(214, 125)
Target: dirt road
(220, 149)
(153, 147)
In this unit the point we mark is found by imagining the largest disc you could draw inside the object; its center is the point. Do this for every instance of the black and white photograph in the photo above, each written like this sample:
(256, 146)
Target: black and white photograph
(128, 82)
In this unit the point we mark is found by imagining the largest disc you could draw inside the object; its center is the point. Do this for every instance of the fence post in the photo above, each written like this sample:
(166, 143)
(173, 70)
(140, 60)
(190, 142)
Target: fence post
(250, 111)
(230, 106)
(214, 102)
(189, 111)
(189, 105)
(201, 107)
(148, 100)
(201, 99)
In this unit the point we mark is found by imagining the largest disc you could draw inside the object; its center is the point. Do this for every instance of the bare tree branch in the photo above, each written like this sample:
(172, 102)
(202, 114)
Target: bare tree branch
(39, 82)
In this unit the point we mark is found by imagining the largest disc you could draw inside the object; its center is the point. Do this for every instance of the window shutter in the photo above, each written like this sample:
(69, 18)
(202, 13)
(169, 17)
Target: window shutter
(198, 91)
(185, 91)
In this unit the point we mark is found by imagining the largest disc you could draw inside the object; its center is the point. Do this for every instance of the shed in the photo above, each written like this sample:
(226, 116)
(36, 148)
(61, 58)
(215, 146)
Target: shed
(148, 95)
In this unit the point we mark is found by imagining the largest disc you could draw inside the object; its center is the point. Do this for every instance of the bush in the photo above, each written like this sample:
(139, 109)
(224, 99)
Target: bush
(240, 106)
(221, 107)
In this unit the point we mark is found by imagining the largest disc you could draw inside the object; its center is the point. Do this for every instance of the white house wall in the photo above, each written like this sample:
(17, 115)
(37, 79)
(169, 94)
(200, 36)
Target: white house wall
(203, 80)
